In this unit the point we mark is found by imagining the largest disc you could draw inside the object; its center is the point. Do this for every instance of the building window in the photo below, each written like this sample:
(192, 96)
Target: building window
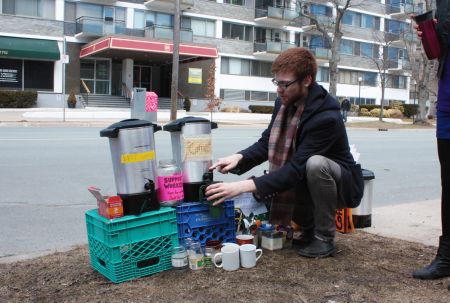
(38, 75)
(144, 19)
(396, 27)
(245, 67)
(370, 79)
(321, 10)
(35, 8)
(361, 20)
(351, 77)
(199, 27)
(26, 74)
(346, 47)
(237, 31)
(394, 81)
(368, 50)
(246, 95)
(368, 21)
(235, 2)
(316, 42)
(323, 74)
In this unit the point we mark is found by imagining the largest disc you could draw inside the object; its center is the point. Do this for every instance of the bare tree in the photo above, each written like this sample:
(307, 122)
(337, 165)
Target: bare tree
(330, 28)
(388, 67)
(424, 73)
(213, 100)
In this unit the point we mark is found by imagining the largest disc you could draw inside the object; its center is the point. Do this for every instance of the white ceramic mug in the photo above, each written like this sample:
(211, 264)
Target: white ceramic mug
(230, 257)
(249, 255)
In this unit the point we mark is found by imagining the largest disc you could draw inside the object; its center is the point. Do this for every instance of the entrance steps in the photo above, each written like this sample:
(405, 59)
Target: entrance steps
(106, 101)
(120, 102)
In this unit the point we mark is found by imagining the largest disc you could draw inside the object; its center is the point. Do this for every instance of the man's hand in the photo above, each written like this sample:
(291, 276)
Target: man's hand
(416, 27)
(225, 191)
(224, 165)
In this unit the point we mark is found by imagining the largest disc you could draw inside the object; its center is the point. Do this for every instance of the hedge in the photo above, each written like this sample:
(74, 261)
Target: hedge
(372, 106)
(261, 109)
(17, 99)
(410, 110)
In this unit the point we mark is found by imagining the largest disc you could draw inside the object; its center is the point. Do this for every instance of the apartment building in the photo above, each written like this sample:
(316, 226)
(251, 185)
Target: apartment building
(102, 49)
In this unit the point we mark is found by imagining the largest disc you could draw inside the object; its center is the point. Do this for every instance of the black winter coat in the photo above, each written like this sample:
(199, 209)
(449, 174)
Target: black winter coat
(321, 131)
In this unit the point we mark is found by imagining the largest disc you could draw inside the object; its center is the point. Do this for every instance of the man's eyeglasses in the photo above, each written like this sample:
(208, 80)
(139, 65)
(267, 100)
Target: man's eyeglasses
(283, 84)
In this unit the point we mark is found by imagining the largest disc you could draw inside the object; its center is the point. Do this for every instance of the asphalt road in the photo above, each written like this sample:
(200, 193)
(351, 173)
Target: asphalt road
(45, 172)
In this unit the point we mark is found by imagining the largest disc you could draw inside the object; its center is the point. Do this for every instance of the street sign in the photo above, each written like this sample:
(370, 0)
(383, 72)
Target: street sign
(64, 58)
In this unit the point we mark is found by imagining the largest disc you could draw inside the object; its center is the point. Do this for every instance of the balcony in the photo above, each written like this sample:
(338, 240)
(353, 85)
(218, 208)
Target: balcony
(274, 16)
(89, 27)
(402, 10)
(322, 54)
(270, 49)
(166, 33)
(168, 5)
(398, 65)
(401, 39)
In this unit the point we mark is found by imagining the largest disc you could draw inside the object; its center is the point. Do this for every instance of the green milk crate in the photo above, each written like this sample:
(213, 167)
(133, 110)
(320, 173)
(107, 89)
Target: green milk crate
(129, 247)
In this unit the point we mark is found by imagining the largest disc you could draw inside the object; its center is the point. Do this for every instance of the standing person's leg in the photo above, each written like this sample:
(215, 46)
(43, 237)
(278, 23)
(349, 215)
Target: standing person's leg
(440, 266)
(322, 176)
(444, 159)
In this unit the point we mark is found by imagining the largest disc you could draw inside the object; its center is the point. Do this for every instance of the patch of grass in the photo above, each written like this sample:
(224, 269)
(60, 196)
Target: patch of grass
(388, 125)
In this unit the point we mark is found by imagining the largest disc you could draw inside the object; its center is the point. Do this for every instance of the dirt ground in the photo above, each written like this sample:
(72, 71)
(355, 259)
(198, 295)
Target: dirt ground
(368, 268)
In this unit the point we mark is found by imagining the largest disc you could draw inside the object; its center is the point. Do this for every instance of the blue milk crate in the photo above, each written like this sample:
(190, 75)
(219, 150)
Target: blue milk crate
(144, 248)
(194, 222)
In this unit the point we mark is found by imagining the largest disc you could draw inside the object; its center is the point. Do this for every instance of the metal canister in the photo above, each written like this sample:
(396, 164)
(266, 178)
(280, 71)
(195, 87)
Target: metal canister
(192, 150)
(132, 146)
(170, 183)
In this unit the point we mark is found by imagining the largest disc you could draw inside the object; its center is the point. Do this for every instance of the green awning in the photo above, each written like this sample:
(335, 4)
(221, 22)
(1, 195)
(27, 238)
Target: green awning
(24, 48)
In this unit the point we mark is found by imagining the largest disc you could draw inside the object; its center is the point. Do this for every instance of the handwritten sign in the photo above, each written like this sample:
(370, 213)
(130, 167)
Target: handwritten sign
(170, 188)
(248, 205)
(197, 148)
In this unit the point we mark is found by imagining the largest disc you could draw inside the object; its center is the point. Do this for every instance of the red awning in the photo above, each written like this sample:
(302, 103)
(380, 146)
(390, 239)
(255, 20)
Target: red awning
(152, 46)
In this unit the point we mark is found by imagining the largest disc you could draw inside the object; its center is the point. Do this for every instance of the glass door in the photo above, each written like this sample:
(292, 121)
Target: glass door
(95, 75)
(142, 76)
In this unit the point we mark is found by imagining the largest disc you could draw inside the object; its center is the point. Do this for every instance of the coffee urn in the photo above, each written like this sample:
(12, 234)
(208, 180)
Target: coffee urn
(192, 150)
(132, 146)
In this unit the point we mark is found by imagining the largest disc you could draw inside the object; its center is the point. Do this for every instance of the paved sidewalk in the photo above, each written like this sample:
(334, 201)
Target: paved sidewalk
(92, 115)
(416, 222)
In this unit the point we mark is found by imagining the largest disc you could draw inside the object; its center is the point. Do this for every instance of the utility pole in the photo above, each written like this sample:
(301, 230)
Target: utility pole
(64, 79)
(175, 62)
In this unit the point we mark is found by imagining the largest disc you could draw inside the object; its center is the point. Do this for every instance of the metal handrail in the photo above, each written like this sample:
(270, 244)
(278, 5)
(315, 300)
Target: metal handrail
(86, 94)
(127, 90)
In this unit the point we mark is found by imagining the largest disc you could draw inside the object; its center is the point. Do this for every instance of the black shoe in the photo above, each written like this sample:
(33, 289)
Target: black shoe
(318, 249)
(440, 266)
(304, 240)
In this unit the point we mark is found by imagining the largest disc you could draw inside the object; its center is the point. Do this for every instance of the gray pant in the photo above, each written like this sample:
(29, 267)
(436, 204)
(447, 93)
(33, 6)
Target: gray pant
(315, 211)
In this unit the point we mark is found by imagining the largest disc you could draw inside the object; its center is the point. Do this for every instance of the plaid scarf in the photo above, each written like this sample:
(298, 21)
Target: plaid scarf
(282, 134)
(283, 131)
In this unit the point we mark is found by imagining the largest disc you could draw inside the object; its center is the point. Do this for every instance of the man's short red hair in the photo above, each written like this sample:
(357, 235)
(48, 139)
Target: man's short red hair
(298, 60)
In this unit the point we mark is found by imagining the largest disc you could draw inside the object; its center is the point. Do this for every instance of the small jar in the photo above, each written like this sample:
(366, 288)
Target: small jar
(259, 232)
(196, 257)
(272, 240)
(209, 255)
(179, 258)
(170, 183)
